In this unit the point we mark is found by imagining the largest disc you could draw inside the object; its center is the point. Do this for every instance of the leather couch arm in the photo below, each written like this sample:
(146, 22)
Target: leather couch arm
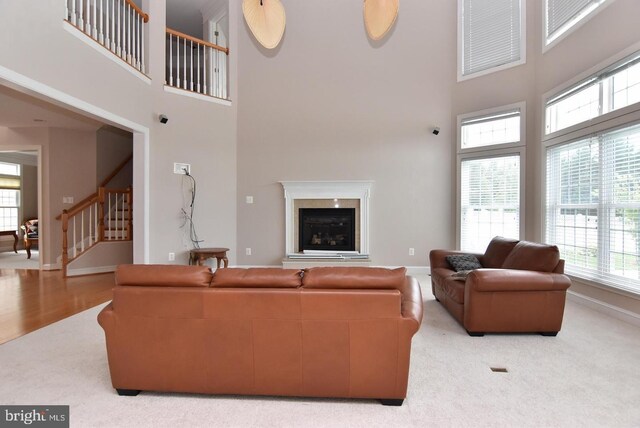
(412, 301)
(516, 280)
(106, 317)
(438, 258)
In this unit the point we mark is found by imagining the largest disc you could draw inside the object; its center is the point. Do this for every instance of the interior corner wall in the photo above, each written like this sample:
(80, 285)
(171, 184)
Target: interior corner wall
(199, 132)
(113, 146)
(607, 33)
(330, 104)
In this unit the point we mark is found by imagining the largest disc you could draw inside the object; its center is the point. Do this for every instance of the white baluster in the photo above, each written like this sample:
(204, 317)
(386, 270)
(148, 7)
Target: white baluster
(112, 32)
(184, 65)
(73, 12)
(80, 21)
(117, 213)
(95, 19)
(178, 61)
(138, 33)
(82, 231)
(130, 31)
(117, 36)
(123, 38)
(134, 42)
(198, 87)
(75, 249)
(101, 21)
(66, 10)
(191, 74)
(90, 224)
(170, 59)
(109, 216)
(95, 225)
(142, 67)
(87, 18)
(204, 69)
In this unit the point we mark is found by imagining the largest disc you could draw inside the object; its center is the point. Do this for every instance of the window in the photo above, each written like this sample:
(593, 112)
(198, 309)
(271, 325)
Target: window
(562, 15)
(490, 162)
(593, 205)
(489, 35)
(9, 195)
(611, 89)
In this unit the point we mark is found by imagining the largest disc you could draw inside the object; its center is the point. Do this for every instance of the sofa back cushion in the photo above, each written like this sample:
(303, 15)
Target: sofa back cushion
(497, 251)
(163, 275)
(257, 278)
(354, 278)
(533, 256)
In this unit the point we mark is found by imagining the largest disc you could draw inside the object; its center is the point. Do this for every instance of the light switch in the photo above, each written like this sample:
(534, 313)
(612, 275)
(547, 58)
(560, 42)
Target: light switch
(249, 199)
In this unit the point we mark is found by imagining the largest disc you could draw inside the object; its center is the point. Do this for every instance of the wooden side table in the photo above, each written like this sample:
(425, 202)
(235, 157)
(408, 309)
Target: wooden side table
(15, 238)
(197, 256)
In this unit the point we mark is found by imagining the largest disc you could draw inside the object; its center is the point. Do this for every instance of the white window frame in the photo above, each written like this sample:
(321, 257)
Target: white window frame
(546, 45)
(523, 45)
(19, 177)
(484, 152)
(626, 116)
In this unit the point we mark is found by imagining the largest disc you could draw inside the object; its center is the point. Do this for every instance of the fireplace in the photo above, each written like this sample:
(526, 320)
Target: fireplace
(327, 229)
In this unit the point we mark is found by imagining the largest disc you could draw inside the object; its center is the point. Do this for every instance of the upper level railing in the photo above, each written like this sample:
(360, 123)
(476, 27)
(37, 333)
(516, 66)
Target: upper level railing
(116, 24)
(196, 65)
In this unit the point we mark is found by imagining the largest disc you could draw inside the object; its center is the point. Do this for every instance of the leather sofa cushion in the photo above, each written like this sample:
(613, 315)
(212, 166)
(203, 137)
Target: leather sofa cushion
(497, 251)
(163, 275)
(533, 256)
(354, 277)
(256, 278)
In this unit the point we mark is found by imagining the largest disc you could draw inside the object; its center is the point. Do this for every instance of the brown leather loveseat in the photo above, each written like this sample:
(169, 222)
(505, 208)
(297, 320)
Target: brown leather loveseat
(332, 332)
(519, 289)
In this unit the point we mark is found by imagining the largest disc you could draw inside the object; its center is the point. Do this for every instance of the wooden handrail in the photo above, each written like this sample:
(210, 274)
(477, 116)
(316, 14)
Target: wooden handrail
(115, 171)
(127, 190)
(197, 40)
(75, 209)
(145, 17)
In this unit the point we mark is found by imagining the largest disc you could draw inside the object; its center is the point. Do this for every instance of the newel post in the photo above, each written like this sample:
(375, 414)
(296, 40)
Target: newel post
(65, 243)
(101, 214)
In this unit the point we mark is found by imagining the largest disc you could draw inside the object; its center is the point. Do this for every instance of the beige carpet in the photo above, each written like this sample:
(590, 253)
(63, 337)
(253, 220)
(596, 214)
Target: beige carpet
(587, 376)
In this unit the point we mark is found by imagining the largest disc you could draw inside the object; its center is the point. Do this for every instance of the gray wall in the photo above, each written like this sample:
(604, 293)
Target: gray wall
(329, 104)
(199, 132)
(113, 146)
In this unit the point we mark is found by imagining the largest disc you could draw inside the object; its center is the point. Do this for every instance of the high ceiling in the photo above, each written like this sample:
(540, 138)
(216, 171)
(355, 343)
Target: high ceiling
(18, 110)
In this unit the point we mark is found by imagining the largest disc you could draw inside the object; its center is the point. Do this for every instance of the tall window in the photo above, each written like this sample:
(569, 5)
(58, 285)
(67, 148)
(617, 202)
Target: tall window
(490, 36)
(563, 15)
(613, 88)
(9, 196)
(490, 169)
(593, 205)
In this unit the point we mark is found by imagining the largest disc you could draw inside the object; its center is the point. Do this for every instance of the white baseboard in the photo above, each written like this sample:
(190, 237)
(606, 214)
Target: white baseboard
(52, 266)
(611, 310)
(91, 270)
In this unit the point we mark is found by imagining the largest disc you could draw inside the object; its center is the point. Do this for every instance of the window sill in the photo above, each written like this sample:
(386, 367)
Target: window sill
(605, 285)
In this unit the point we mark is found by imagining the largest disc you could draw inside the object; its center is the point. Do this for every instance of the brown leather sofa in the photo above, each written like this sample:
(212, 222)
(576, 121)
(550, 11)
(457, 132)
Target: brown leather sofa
(332, 332)
(520, 289)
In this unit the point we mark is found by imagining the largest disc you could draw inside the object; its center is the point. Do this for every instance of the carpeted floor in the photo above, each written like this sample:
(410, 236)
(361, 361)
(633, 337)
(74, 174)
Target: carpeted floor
(589, 375)
(11, 260)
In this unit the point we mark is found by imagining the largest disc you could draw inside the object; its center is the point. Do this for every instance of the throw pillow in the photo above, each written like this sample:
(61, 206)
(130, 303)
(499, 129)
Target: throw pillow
(460, 262)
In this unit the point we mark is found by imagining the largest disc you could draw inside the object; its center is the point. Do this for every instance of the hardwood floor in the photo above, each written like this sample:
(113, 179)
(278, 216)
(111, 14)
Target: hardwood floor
(31, 299)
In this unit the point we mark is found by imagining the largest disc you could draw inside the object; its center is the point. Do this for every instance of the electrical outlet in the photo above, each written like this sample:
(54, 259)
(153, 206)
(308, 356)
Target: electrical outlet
(247, 251)
(412, 251)
(67, 199)
(249, 199)
(180, 168)
(172, 257)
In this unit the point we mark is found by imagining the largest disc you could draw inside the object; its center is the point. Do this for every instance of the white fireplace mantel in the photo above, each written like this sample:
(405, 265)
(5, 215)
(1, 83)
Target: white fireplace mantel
(294, 190)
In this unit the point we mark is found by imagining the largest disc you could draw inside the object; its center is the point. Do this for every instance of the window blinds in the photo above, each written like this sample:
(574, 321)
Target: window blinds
(491, 34)
(563, 14)
(593, 206)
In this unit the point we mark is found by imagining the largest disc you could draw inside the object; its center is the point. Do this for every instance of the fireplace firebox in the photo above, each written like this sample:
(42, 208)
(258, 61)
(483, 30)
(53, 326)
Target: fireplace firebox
(327, 229)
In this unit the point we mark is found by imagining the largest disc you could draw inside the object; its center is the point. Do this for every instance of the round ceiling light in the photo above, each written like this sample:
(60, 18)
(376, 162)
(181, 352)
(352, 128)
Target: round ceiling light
(266, 20)
(379, 16)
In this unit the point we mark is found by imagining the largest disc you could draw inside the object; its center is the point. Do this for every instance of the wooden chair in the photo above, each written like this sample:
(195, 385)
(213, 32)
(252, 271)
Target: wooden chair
(30, 229)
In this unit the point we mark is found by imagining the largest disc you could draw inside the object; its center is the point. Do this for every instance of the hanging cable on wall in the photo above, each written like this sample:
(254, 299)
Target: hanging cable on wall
(188, 213)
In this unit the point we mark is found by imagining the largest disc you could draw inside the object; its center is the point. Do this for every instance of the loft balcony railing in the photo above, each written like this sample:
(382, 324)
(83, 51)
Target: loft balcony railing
(118, 25)
(196, 65)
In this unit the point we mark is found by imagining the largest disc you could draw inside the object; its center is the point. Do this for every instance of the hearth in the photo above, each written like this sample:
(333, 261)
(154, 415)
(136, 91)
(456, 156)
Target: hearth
(327, 229)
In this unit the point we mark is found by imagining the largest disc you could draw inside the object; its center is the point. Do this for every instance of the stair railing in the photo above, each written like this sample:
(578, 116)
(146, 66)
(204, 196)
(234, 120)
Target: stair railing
(118, 25)
(104, 216)
(196, 65)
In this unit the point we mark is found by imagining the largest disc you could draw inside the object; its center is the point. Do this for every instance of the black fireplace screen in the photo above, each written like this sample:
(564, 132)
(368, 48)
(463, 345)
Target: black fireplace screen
(330, 229)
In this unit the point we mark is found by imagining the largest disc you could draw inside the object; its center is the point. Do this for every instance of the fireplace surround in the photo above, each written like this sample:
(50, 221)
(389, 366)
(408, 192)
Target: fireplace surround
(327, 194)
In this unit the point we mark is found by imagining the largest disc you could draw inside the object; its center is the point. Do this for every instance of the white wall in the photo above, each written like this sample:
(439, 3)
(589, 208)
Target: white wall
(198, 132)
(329, 104)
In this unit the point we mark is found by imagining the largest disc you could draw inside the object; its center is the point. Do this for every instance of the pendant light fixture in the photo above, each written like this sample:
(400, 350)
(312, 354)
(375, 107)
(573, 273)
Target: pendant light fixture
(379, 16)
(266, 20)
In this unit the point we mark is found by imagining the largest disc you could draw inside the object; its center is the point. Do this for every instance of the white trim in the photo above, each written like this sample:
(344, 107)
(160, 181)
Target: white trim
(327, 190)
(90, 270)
(141, 146)
(523, 46)
(202, 97)
(87, 40)
(586, 18)
(521, 106)
(605, 308)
